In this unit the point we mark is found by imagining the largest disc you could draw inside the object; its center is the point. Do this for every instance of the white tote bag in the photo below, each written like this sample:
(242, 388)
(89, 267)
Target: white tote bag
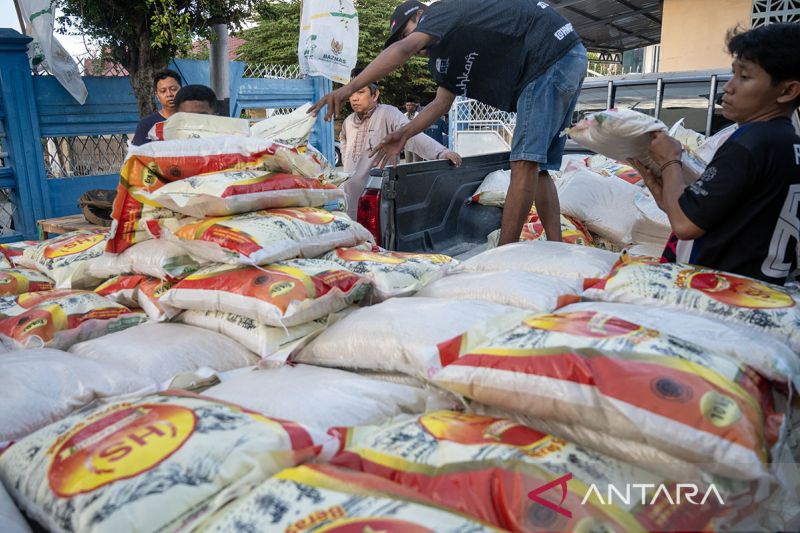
(328, 39)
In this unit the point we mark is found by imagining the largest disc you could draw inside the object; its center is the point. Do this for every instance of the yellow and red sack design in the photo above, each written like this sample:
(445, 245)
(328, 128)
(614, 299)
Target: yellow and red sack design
(149, 167)
(602, 331)
(684, 409)
(572, 231)
(19, 280)
(262, 340)
(609, 167)
(122, 289)
(66, 258)
(268, 236)
(232, 192)
(486, 467)
(13, 253)
(728, 297)
(323, 498)
(135, 290)
(60, 318)
(156, 463)
(392, 273)
(282, 294)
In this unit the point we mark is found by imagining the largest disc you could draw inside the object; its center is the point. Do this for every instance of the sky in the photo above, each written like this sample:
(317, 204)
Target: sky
(8, 19)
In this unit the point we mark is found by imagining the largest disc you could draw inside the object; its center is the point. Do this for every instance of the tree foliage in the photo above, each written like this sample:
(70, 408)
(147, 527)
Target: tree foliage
(144, 35)
(275, 39)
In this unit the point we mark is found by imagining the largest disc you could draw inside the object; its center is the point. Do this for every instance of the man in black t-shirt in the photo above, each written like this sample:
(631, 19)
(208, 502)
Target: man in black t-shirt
(167, 83)
(516, 55)
(743, 213)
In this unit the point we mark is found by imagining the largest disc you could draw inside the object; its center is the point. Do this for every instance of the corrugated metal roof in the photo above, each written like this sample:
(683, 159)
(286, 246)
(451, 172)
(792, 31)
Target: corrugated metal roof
(613, 25)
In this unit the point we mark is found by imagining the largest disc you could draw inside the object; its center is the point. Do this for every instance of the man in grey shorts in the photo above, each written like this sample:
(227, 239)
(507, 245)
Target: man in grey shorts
(515, 55)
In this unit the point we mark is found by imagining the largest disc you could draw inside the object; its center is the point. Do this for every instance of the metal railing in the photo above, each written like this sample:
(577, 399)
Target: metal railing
(266, 70)
(68, 157)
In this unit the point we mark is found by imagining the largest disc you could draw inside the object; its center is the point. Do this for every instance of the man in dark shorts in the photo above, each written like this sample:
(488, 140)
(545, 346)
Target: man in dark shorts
(742, 215)
(515, 55)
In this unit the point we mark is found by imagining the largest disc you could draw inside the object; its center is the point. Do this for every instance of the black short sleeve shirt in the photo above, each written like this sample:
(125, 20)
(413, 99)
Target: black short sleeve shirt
(144, 126)
(491, 49)
(748, 203)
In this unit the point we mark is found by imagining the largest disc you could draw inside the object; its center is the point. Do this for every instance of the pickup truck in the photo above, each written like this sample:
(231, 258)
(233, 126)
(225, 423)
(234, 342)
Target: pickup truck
(422, 207)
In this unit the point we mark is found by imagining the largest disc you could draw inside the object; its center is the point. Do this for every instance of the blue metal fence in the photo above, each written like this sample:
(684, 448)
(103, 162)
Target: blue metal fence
(52, 149)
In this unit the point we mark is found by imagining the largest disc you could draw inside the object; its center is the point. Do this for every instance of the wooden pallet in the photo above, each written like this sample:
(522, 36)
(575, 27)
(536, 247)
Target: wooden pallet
(60, 225)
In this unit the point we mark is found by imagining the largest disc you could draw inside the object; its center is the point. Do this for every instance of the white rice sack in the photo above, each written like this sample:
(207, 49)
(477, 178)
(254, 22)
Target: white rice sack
(268, 236)
(391, 273)
(686, 136)
(14, 253)
(60, 318)
(198, 126)
(652, 225)
(43, 385)
(492, 191)
(236, 191)
(159, 351)
(605, 206)
(66, 258)
(282, 294)
(630, 396)
(720, 295)
(557, 259)
(768, 356)
(292, 129)
(262, 340)
(330, 398)
(157, 258)
(525, 290)
(162, 462)
(620, 134)
(400, 334)
(331, 499)
(647, 251)
(10, 517)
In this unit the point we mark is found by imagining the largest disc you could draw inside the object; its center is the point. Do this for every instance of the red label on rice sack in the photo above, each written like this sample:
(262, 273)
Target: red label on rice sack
(488, 468)
(120, 283)
(144, 170)
(276, 284)
(712, 418)
(719, 295)
(227, 237)
(276, 182)
(19, 281)
(572, 231)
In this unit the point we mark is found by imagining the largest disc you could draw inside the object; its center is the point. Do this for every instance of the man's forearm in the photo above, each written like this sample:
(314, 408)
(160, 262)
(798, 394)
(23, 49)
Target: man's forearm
(673, 186)
(387, 61)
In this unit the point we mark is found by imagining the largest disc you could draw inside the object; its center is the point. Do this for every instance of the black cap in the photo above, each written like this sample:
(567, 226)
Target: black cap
(402, 14)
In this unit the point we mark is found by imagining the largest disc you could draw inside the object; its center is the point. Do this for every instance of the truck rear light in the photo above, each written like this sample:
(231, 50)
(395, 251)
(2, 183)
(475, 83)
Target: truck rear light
(369, 212)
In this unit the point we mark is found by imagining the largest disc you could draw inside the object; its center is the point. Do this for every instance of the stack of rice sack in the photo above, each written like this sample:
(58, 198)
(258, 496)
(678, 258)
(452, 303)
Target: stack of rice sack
(46, 297)
(671, 367)
(681, 371)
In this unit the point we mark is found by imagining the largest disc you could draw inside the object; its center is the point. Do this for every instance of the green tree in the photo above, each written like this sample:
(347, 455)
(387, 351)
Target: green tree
(143, 36)
(275, 39)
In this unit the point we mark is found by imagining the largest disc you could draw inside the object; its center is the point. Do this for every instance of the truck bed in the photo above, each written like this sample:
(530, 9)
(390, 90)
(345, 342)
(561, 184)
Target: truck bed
(427, 209)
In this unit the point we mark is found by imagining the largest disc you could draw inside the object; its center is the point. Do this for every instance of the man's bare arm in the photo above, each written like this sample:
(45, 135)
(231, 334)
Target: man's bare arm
(387, 61)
